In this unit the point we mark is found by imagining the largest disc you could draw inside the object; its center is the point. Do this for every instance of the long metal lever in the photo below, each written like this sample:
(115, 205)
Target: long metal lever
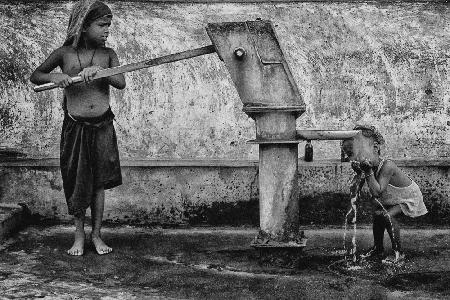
(137, 66)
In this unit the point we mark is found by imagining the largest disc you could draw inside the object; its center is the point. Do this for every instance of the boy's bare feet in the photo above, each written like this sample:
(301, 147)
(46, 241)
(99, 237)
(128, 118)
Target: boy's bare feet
(100, 246)
(78, 245)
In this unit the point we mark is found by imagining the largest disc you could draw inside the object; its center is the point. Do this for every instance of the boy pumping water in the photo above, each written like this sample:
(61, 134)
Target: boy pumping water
(393, 191)
(89, 155)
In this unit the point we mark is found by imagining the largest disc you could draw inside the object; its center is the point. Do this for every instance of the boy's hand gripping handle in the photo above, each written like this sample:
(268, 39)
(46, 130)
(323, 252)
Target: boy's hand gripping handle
(137, 66)
(51, 85)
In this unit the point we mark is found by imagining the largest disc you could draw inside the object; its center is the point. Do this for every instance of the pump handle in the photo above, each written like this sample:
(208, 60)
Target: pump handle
(137, 66)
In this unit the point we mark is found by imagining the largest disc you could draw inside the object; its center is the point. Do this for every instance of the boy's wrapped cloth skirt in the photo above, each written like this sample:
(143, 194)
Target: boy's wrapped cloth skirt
(89, 159)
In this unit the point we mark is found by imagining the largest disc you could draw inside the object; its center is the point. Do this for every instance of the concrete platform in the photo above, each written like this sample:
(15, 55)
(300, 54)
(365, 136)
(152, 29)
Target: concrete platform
(215, 263)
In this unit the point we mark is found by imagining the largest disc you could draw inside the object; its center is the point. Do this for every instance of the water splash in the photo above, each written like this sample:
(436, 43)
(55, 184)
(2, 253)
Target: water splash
(352, 209)
(355, 188)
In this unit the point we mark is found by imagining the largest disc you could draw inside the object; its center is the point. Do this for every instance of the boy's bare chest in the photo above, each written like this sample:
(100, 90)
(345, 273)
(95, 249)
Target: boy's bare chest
(74, 62)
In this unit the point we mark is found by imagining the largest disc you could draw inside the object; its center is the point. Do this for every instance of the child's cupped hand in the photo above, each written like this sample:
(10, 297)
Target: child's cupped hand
(87, 74)
(366, 165)
(355, 166)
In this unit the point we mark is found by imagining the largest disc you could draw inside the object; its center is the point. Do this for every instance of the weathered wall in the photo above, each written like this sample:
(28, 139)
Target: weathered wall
(324, 193)
(178, 194)
(196, 194)
(385, 64)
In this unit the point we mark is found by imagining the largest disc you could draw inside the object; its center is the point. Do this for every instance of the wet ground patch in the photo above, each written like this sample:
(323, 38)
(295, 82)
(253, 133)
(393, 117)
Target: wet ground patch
(209, 263)
(429, 281)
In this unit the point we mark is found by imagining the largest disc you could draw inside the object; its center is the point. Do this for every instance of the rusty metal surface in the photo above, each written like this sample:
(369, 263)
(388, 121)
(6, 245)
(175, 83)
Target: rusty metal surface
(273, 141)
(278, 192)
(304, 135)
(255, 61)
(275, 125)
(261, 77)
(326, 134)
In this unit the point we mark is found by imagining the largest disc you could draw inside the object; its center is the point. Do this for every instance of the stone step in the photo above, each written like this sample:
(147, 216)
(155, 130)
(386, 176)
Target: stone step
(11, 219)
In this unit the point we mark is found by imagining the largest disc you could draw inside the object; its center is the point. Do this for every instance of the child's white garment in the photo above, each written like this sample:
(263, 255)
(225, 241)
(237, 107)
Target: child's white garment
(409, 198)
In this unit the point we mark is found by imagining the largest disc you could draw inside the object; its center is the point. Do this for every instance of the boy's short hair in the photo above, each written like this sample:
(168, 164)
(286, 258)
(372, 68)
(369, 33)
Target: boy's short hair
(370, 132)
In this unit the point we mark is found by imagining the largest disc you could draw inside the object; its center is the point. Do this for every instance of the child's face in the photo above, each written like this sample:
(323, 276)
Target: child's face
(360, 148)
(98, 31)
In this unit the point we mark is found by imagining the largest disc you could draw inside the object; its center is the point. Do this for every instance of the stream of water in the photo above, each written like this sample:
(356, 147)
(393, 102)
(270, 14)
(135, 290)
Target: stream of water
(355, 188)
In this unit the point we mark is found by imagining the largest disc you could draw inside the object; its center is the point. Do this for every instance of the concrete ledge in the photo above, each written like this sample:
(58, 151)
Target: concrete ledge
(54, 162)
(11, 219)
(239, 1)
(214, 192)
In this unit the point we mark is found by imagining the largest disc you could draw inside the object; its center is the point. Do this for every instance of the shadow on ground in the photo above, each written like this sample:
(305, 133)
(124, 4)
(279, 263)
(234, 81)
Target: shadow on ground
(215, 263)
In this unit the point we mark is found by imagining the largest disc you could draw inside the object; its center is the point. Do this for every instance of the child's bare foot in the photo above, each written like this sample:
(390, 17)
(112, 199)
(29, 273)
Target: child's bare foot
(397, 258)
(373, 253)
(100, 246)
(78, 245)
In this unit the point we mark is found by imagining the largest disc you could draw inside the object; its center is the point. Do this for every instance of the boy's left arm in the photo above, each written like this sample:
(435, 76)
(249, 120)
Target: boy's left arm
(117, 81)
(377, 187)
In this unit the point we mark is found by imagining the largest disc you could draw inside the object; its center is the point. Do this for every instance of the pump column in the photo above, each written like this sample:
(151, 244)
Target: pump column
(256, 64)
(278, 177)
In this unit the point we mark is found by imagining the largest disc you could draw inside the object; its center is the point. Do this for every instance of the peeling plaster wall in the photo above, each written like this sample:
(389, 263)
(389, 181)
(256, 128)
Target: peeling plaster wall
(384, 64)
(217, 195)
(157, 195)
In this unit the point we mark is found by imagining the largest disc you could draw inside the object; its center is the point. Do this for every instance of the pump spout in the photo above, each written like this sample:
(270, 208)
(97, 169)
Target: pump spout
(326, 134)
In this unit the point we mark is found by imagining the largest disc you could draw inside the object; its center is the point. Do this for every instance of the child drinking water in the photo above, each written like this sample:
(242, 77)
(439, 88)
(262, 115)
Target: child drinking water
(393, 191)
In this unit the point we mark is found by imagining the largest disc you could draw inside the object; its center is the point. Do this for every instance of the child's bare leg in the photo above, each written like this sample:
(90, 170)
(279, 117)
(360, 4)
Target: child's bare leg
(393, 228)
(379, 226)
(78, 245)
(378, 234)
(97, 208)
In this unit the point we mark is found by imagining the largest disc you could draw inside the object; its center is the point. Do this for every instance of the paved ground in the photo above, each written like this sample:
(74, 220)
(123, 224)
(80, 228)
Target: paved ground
(215, 263)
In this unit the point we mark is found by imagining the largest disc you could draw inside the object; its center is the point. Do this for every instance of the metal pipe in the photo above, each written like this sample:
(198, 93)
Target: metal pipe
(137, 66)
(326, 134)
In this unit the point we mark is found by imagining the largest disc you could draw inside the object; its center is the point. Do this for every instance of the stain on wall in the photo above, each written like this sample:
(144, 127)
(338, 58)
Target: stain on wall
(217, 195)
(158, 195)
(325, 198)
(384, 64)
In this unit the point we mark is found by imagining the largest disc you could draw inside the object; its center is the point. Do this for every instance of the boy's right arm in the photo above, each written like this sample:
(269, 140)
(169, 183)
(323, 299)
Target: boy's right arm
(378, 186)
(42, 73)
